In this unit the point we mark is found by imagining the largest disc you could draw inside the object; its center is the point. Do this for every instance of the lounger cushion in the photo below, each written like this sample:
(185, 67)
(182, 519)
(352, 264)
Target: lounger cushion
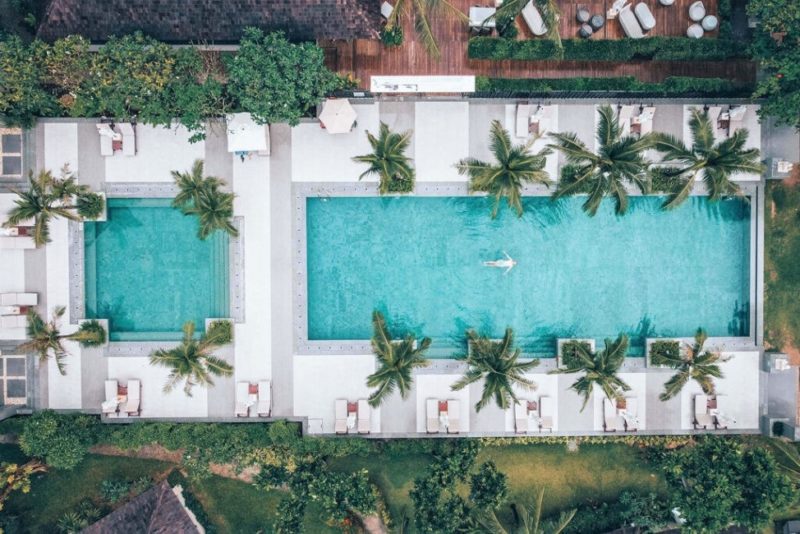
(645, 16)
(533, 19)
(629, 23)
(364, 412)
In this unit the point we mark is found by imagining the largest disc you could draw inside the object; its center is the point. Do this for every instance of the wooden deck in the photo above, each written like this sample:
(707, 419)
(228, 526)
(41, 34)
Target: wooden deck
(366, 58)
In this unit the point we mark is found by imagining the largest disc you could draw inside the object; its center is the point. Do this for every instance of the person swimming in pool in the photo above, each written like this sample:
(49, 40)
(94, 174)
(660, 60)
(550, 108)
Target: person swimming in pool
(506, 264)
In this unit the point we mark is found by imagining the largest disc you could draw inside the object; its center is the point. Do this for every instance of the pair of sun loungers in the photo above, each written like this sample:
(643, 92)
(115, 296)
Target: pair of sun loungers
(110, 134)
(249, 395)
(14, 307)
(122, 401)
(542, 416)
(620, 416)
(445, 414)
(352, 416)
(709, 413)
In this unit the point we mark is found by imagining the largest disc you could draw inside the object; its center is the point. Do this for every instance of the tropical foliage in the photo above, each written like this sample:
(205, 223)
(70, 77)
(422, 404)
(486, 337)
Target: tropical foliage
(599, 369)
(497, 363)
(396, 361)
(202, 196)
(527, 519)
(716, 162)
(46, 340)
(388, 161)
(509, 10)
(618, 161)
(15, 477)
(23, 96)
(61, 440)
(515, 166)
(48, 197)
(694, 363)
(191, 362)
(422, 11)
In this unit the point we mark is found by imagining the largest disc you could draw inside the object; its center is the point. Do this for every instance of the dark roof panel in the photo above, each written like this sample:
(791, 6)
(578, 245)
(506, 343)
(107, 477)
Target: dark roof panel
(211, 21)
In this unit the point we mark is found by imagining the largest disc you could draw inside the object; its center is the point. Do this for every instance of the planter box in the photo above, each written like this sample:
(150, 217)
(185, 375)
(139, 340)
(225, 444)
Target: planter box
(103, 216)
(648, 342)
(104, 324)
(560, 343)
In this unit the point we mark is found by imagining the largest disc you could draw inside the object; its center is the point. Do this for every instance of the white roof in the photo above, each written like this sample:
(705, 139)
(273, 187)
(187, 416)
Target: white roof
(244, 135)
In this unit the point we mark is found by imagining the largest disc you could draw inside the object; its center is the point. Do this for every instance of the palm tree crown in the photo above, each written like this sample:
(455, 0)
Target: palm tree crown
(46, 340)
(422, 10)
(619, 161)
(192, 361)
(396, 361)
(516, 165)
(498, 364)
(599, 368)
(527, 519)
(48, 197)
(202, 196)
(388, 161)
(716, 161)
(694, 364)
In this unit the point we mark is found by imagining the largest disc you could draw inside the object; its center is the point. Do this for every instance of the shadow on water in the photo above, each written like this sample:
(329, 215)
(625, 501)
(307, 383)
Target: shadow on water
(739, 325)
(730, 209)
(118, 319)
(638, 334)
(545, 212)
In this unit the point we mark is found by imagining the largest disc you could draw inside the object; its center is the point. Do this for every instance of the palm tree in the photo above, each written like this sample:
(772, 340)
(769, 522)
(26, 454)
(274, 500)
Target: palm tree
(599, 368)
(498, 364)
(396, 361)
(192, 361)
(46, 340)
(388, 160)
(48, 197)
(619, 161)
(421, 11)
(202, 196)
(527, 520)
(516, 165)
(509, 10)
(694, 364)
(717, 161)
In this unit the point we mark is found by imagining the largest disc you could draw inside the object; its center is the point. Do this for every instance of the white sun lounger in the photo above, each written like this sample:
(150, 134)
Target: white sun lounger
(340, 424)
(132, 406)
(19, 299)
(701, 416)
(264, 407)
(432, 416)
(110, 405)
(16, 242)
(722, 418)
(13, 321)
(242, 399)
(645, 16)
(453, 416)
(106, 139)
(521, 417)
(632, 413)
(523, 123)
(128, 138)
(612, 421)
(629, 23)
(545, 413)
(364, 412)
(533, 19)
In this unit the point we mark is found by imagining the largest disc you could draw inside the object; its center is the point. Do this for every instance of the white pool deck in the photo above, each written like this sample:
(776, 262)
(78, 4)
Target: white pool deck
(305, 386)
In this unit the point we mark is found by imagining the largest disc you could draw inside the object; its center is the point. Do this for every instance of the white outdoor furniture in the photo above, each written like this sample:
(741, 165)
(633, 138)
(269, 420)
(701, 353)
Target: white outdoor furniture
(128, 138)
(624, 116)
(13, 321)
(386, 10)
(612, 421)
(533, 19)
(695, 31)
(629, 24)
(242, 399)
(524, 112)
(645, 16)
(132, 406)
(10, 310)
(709, 23)
(545, 413)
(666, 3)
(453, 416)
(642, 123)
(19, 299)
(21, 242)
(245, 135)
(736, 118)
(521, 417)
(432, 416)
(701, 416)
(482, 17)
(340, 414)
(697, 11)
(107, 138)
(264, 407)
(364, 412)
(112, 402)
(631, 414)
(422, 84)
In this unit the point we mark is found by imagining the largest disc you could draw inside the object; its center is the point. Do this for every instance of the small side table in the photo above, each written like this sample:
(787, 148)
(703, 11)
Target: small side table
(596, 22)
(582, 15)
(585, 31)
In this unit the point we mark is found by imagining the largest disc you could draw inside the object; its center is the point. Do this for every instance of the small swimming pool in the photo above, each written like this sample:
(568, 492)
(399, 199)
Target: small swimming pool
(148, 272)
(420, 260)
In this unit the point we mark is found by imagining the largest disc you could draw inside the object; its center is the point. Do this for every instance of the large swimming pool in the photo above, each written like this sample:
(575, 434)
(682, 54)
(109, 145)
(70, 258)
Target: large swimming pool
(147, 271)
(420, 260)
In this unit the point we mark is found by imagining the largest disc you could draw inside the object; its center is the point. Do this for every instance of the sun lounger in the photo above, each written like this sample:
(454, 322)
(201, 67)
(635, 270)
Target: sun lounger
(612, 421)
(107, 135)
(533, 19)
(722, 417)
(432, 416)
(629, 23)
(631, 414)
(736, 120)
(521, 417)
(128, 138)
(133, 404)
(340, 407)
(645, 16)
(546, 413)
(523, 119)
(19, 243)
(111, 403)
(242, 399)
(264, 407)
(364, 423)
(702, 418)
(13, 321)
(19, 299)
(453, 417)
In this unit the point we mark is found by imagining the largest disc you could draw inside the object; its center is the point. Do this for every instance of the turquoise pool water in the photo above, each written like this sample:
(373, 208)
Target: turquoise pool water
(148, 273)
(420, 261)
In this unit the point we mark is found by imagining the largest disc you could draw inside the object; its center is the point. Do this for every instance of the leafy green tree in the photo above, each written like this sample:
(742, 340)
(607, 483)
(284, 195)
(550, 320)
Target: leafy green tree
(618, 161)
(15, 477)
(716, 162)
(776, 46)
(693, 363)
(396, 361)
(516, 165)
(488, 488)
(191, 362)
(45, 338)
(202, 196)
(599, 369)
(527, 519)
(275, 80)
(646, 511)
(388, 161)
(421, 11)
(511, 9)
(497, 363)
(48, 197)
(61, 440)
(23, 96)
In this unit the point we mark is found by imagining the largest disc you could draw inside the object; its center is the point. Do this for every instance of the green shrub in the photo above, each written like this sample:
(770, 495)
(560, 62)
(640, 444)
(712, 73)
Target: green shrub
(114, 491)
(488, 487)
(23, 96)
(221, 331)
(393, 37)
(672, 86)
(648, 512)
(93, 333)
(664, 350)
(569, 352)
(61, 440)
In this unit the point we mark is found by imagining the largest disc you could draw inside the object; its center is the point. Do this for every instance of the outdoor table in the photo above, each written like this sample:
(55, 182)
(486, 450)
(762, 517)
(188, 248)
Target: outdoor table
(597, 22)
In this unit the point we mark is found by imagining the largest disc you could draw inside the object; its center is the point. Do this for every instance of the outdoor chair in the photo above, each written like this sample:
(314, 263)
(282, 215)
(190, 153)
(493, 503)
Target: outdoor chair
(264, 407)
(453, 417)
(111, 403)
(645, 16)
(364, 412)
(340, 408)
(521, 417)
(133, 404)
(242, 399)
(629, 23)
(545, 413)
(432, 416)
(702, 418)
(128, 138)
(631, 414)
(612, 421)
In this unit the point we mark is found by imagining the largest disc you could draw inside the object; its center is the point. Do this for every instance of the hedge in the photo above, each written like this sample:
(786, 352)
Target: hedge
(672, 86)
(655, 48)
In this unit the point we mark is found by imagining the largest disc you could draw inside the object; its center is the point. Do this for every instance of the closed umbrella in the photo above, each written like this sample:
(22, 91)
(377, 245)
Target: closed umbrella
(338, 116)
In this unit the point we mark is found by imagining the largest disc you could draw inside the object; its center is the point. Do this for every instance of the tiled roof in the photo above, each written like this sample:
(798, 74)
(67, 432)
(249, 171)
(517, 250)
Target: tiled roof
(211, 21)
(156, 511)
